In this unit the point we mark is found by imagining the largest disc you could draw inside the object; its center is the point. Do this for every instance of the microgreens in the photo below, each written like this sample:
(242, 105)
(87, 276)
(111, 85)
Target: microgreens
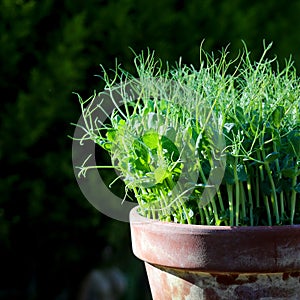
(217, 145)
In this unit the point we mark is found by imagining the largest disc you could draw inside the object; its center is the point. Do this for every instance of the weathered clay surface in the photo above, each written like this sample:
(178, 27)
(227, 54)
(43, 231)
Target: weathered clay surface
(175, 284)
(209, 262)
(216, 248)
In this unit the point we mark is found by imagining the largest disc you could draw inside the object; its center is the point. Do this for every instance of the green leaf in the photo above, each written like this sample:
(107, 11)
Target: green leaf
(229, 176)
(105, 145)
(241, 172)
(228, 126)
(163, 104)
(149, 106)
(116, 119)
(266, 188)
(141, 151)
(121, 122)
(254, 123)
(230, 159)
(160, 174)
(290, 172)
(297, 188)
(151, 139)
(111, 135)
(294, 142)
(278, 115)
(171, 133)
(171, 151)
(239, 111)
(149, 198)
(141, 164)
(271, 157)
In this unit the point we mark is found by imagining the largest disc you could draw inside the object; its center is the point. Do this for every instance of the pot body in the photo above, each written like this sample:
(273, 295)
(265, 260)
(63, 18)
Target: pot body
(218, 262)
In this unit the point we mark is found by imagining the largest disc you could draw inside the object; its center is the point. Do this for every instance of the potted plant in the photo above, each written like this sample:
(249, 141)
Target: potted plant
(212, 157)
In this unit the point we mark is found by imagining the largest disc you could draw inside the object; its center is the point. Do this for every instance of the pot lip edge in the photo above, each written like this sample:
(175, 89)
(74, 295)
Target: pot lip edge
(136, 219)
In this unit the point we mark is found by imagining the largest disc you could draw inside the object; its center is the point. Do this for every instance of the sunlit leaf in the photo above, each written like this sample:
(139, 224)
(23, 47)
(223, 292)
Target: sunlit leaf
(160, 174)
(151, 139)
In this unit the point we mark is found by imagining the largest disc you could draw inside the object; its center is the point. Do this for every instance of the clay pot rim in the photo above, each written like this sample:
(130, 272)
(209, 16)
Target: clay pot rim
(247, 249)
(135, 217)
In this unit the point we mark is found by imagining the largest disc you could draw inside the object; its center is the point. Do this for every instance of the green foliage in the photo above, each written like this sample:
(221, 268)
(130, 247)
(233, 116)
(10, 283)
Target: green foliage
(206, 120)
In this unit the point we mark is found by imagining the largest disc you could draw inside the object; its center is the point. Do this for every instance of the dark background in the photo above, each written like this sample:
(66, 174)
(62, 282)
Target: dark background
(50, 236)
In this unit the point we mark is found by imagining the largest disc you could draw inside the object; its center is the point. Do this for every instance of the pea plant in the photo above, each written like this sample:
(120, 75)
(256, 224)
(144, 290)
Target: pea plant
(216, 145)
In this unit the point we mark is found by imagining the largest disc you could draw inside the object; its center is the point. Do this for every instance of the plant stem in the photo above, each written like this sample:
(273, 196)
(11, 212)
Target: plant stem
(185, 212)
(221, 204)
(206, 215)
(250, 201)
(293, 194)
(215, 211)
(281, 196)
(230, 200)
(202, 218)
(243, 200)
(163, 206)
(220, 201)
(237, 193)
(273, 193)
(257, 194)
(266, 201)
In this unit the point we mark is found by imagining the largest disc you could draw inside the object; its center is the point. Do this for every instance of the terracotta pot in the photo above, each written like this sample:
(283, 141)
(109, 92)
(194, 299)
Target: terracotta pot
(210, 262)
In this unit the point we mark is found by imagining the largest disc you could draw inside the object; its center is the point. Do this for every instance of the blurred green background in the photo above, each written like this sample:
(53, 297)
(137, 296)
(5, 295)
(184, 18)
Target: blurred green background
(50, 236)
